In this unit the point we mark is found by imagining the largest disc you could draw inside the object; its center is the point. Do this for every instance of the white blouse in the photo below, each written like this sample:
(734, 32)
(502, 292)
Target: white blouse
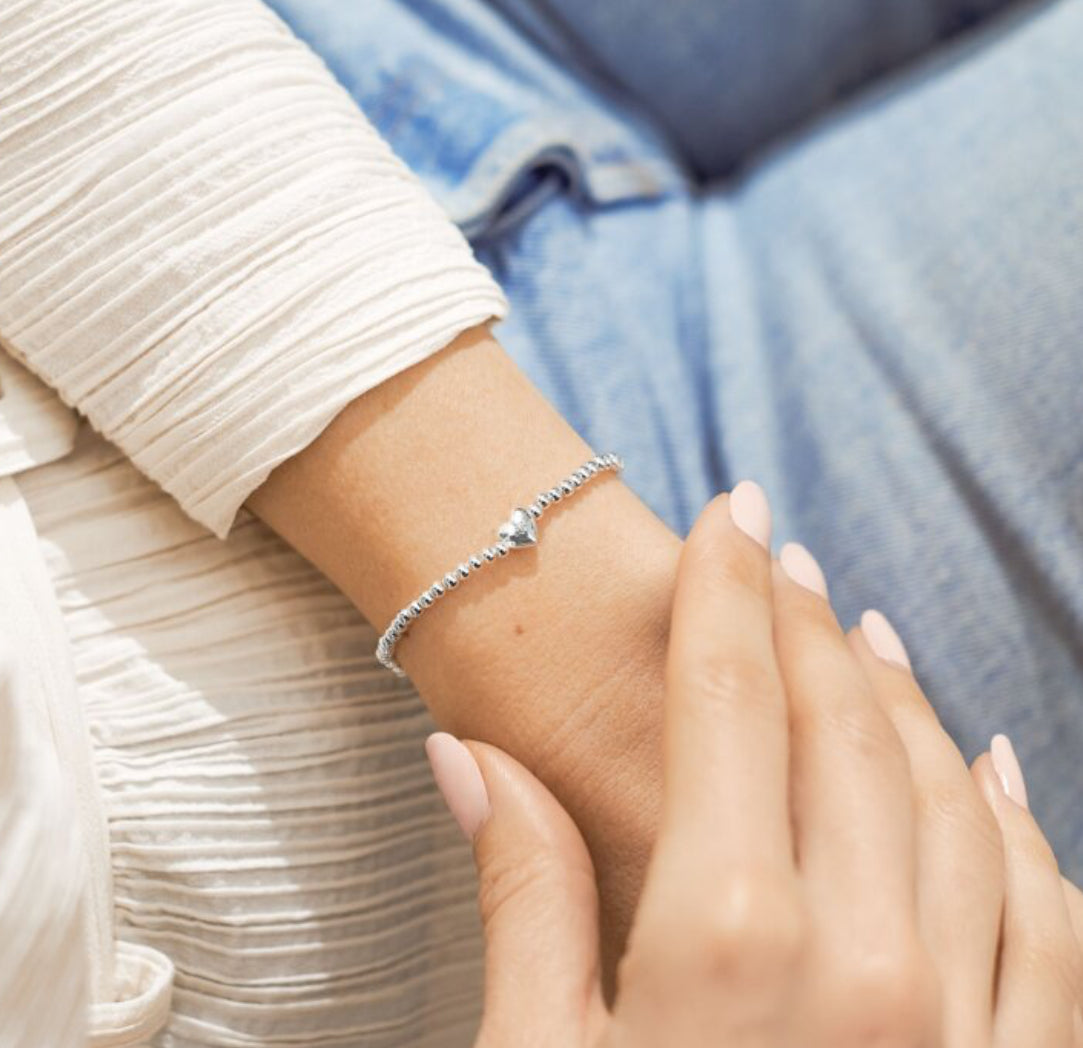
(216, 824)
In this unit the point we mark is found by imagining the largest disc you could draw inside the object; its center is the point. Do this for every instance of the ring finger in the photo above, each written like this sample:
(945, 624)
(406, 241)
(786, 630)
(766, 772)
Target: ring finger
(852, 812)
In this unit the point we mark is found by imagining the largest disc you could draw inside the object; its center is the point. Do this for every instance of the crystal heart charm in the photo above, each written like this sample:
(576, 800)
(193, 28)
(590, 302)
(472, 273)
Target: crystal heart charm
(520, 530)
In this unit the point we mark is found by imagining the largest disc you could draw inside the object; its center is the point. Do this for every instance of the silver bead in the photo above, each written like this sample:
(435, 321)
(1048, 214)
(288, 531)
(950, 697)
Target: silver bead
(502, 549)
(567, 487)
(463, 570)
(489, 553)
(415, 609)
(427, 599)
(475, 561)
(535, 509)
(555, 494)
(542, 499)
(451, 580)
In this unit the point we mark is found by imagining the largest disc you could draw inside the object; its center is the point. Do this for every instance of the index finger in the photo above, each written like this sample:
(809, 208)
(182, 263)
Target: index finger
(726, 731)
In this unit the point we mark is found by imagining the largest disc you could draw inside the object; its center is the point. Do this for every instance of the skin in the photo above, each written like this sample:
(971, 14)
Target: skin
(829, 874)
(557, 654)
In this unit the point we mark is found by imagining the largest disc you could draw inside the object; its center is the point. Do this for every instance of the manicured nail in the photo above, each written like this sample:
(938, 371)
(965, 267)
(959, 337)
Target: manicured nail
(883, 639)
(750, 511)
(459, 779)
(1008, 770)
(801, 566)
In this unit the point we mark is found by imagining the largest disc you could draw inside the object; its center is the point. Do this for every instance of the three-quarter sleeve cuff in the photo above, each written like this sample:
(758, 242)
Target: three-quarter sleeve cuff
(205, 248)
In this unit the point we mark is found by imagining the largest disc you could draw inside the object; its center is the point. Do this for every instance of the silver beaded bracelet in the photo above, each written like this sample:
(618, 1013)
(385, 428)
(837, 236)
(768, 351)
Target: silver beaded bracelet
(518, 532)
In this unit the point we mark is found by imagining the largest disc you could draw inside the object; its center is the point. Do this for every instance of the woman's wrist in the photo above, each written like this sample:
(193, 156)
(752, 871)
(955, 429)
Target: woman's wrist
(518, 533)
(535, 641)
(421, 470)
(555, 654)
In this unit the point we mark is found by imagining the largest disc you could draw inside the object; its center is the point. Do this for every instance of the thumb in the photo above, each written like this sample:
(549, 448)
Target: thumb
(537, 895)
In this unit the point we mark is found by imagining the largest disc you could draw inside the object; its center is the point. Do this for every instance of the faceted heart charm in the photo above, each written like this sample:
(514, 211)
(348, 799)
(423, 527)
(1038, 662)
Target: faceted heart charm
(520, 530)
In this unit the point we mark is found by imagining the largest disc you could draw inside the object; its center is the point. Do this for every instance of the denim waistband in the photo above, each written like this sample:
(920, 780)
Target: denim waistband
(486, 118)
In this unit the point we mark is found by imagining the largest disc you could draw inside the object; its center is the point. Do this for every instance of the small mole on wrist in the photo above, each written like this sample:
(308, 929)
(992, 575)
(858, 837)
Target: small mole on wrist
(519, 631)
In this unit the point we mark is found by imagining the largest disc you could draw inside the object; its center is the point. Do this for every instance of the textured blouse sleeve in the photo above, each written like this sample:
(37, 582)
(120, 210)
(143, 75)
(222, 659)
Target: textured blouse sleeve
(204, 246)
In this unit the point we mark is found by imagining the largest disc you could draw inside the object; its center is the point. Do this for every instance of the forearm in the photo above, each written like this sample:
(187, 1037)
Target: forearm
(555, 654)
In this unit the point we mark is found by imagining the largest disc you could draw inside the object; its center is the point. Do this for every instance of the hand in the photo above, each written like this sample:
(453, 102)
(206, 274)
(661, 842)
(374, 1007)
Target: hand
(827, 873)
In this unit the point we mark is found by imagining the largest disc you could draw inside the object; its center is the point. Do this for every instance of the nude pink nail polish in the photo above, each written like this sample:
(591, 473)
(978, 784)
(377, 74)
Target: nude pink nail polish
(1008, 769)
(751, 512)
(802, 567)
(883, 639)
(459, 780)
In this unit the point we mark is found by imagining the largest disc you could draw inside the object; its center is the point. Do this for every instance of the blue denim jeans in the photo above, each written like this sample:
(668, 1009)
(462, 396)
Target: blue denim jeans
(736, 247)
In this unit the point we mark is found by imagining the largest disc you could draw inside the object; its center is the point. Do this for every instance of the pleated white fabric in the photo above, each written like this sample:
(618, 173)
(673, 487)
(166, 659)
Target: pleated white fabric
(201, 236)
(273, 828)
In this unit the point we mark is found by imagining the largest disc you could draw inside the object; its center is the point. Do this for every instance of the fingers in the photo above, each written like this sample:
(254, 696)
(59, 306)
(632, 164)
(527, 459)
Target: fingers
(720, 921)
(537, 896)
(725, 720)
(853, 819)
(960, 881)
(1039, 978)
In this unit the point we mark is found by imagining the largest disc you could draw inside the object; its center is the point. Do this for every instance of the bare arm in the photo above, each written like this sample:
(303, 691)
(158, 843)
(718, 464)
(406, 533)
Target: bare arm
(556, 656)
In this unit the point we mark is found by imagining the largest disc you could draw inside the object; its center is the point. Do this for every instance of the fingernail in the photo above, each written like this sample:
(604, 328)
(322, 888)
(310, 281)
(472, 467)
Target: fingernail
(883, 639)
(459, 780)
(750, 511)
(1008, 770)
(801, 566)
